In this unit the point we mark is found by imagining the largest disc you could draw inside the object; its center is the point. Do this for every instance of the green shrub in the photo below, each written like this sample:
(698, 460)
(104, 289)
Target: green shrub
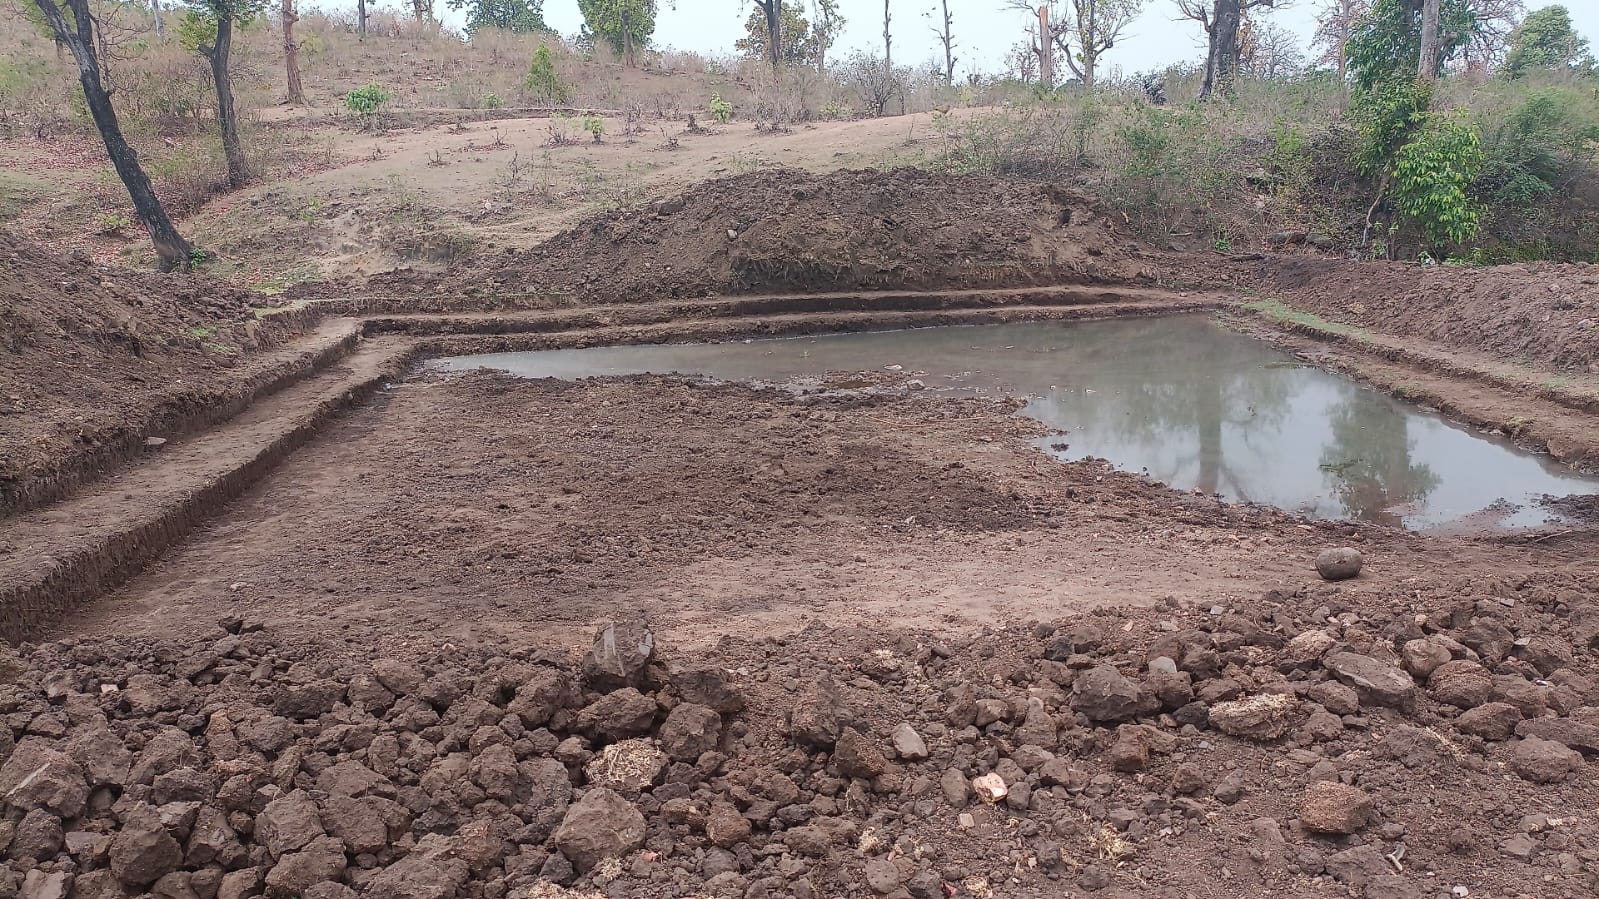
(366, 101)
(543, 81)
(595, 126)
(721, 110)
(1431, 175)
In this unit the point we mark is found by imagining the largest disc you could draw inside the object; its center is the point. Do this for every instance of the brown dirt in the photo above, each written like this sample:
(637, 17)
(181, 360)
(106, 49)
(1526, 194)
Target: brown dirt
(1540, 314)
(95, 358)
(900, 545)
(789, 230)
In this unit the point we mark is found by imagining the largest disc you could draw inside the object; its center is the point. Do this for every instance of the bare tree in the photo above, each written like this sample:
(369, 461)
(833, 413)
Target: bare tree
(1496, 20)
(946, 36)
(888, 41)
(1223, 21)
(1270, 51)
(73, 27)
(360, 18)
(826, 24)
(1021, 63)
(291, 54)
(1336, 21)
(1083, 30)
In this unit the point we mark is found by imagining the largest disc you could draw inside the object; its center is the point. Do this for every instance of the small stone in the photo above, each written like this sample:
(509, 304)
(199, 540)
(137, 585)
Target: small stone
(1333, 807)
(1262, 717)
(1104, 694)
(725, 827)
(883, 876)
(1305, 650)
(814, 719)
(989, 787)
(1376, 682)
(1339, 564)
(690, 730)
(620, 656)
(857, 756)
(1460, 683)
(908, 744)
(1130, 753)
(142, 850)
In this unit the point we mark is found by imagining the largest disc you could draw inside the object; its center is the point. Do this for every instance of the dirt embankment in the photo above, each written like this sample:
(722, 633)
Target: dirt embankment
(93, 359)
(789, 231)
(1542, 314)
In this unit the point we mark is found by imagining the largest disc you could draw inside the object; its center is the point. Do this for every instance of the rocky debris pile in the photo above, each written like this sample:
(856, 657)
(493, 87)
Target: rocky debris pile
(1314, 742)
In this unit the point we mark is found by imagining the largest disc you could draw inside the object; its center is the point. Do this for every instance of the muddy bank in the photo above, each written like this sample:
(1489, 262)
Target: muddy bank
(1543, 314)
(783, 230)
(94, 359)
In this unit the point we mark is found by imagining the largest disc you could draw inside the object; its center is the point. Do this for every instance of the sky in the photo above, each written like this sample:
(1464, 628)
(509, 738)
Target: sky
(984, 30)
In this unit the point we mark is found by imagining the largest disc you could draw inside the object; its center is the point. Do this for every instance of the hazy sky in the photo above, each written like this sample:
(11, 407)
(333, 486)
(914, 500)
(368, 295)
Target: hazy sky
(984, 31)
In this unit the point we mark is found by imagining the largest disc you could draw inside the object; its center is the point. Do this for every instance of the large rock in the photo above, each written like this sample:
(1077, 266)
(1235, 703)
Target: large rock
(1460, 683)
(288, 824)
(815, 718)
(1339, 564)
(142, 850)
(857, 756)
(39, 777)
(538, 698)
(1377, 683)
(418, 876)
(620, 656)
(709, 687)
(1104, 694)
(1262, 717)
(322, 861)
(1305, 650)
(1565, 731)
(690, 731)
(1544, 761)
(1333, 807)
(618, 715)
(1494, 721)
(725, 827)
(601, 825)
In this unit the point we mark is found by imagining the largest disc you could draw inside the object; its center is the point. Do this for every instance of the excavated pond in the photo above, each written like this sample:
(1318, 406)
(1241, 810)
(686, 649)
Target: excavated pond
(1178, 397)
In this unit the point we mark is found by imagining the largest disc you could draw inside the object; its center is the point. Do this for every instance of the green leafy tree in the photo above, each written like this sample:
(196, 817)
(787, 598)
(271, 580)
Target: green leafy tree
(1386, 45)
(1431, 174)
(623, 25)
(519, 16)
(544, 82)
(207, 29)
(796, 40)
(1546, 40)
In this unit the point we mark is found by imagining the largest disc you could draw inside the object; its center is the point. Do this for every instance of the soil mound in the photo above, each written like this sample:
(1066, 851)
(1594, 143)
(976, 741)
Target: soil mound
(1539, 313)
(91, 356)
(1413, 748)
(786, 230)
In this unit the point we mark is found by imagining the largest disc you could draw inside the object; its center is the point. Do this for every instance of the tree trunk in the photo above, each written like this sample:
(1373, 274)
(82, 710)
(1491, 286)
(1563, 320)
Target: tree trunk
(1431, 43)
(627, 39)
(774, 31)
(888, 43)
(1221, 63)
(155, 10)
(1046, 51)
(360, 18)
(170, 247)
(949, 48)
(227, 119)
(291, 54)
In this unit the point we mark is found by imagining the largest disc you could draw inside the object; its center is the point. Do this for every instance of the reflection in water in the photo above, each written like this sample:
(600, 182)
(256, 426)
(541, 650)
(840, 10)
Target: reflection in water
(1189, 402)
(1369, 467)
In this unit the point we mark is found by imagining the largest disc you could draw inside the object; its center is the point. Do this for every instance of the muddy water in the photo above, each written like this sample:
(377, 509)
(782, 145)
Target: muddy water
(1177, 397)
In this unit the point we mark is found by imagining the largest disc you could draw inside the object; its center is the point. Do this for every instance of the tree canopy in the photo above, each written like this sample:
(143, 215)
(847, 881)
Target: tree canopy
(1386, 45)
(622, 25)
(507, 15)
(1546, 40)
(797, 37)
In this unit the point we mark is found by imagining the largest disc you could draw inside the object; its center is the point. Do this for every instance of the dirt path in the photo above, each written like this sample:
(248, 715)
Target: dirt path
(472, 506)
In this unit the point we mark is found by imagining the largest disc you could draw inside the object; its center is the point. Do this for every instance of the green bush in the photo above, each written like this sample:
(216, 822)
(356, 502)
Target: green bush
(1541, 145)
(543, 81)
(721, 110)
(1431, 175)
(595, 126)
(366, 101)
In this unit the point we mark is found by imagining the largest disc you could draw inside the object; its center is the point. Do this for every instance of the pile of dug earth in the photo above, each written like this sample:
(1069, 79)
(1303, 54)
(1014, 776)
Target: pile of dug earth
(1314, 742)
